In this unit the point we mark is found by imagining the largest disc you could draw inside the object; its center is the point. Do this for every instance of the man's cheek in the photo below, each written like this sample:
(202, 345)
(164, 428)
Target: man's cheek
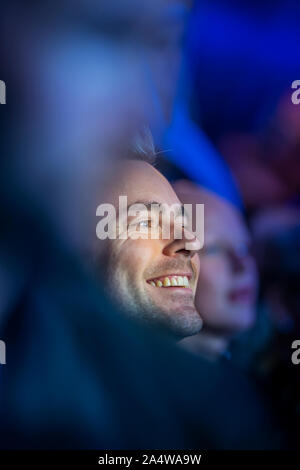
(133, 256)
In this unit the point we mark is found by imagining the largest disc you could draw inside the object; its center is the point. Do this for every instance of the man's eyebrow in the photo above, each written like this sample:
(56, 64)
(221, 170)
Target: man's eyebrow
(147, 204)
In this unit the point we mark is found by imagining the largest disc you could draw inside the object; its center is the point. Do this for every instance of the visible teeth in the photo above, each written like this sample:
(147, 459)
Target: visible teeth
(172, 281)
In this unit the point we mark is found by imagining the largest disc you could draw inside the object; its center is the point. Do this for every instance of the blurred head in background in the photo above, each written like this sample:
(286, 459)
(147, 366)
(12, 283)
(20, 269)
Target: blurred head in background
(153, 276)
(227, 285)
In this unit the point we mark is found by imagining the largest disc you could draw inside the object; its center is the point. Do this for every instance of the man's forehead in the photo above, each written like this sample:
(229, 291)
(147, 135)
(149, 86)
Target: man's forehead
(176, 208)
(141, 182)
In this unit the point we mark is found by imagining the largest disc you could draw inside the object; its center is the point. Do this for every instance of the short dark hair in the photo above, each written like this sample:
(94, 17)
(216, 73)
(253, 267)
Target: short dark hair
(143, 147)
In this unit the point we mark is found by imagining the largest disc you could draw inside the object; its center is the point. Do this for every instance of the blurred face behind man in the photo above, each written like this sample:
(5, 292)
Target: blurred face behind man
(227, 286)
(154, 279)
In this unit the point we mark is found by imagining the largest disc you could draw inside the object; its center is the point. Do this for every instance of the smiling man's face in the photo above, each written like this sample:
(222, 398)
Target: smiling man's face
(155, 279)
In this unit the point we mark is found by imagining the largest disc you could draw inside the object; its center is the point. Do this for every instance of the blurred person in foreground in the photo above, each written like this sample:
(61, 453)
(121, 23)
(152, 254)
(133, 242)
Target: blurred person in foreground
(227, 286)
(70, 108)
(151, 273)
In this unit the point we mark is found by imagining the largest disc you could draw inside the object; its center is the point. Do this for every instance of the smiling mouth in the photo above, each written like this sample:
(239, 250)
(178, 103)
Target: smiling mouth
(175, 280)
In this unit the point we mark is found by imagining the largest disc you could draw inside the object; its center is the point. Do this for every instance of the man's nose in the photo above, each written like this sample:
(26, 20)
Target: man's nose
(187, 245)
